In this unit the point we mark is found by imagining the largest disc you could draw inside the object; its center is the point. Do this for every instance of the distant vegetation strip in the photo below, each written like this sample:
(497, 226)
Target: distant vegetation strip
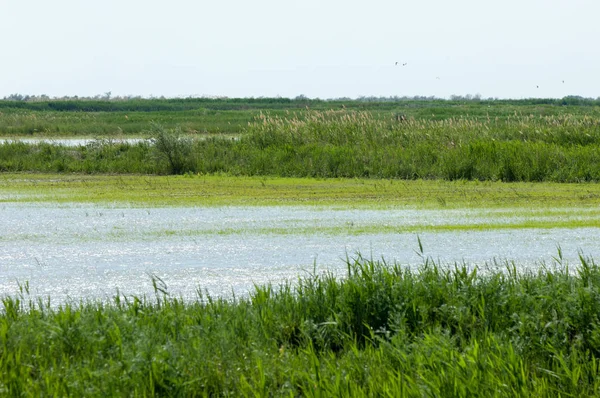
(103, 118)
(343, 143)
(108, 103)
(383, 330)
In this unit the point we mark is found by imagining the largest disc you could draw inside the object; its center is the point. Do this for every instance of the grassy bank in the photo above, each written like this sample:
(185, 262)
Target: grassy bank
(334, 144)
(383, 330)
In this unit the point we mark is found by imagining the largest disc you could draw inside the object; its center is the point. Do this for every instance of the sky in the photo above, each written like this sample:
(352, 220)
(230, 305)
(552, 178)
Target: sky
(316, 48)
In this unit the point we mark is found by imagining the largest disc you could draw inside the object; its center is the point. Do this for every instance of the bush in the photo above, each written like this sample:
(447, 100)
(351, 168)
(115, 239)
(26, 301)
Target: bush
(173, 147)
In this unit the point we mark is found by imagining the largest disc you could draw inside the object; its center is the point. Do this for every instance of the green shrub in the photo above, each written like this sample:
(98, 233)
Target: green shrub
(172, 147)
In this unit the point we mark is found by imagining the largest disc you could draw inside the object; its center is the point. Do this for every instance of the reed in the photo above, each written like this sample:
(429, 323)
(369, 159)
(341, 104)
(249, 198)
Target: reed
(345, 143)
(383, 329)
(207, 116)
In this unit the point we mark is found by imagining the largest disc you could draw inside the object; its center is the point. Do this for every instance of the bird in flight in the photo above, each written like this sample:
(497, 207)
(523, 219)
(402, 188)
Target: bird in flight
(404, 64)
(537, 86)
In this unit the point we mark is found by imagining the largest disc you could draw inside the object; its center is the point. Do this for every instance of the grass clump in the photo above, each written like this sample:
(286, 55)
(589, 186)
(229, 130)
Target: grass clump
(381, 330)
(173, 147)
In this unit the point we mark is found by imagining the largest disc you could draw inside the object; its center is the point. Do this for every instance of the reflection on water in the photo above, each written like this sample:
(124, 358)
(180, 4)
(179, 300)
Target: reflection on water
(88, 251)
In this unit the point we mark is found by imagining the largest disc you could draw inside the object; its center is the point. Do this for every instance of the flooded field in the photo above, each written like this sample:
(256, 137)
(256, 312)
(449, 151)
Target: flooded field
(89, 251)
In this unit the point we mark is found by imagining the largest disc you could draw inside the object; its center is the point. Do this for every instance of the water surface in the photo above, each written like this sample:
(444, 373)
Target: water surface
(89, 251)
(73, 142)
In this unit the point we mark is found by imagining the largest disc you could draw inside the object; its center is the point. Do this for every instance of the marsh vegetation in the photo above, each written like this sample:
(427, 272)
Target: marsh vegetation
(346, 143)
(381, 330)
(382, 327)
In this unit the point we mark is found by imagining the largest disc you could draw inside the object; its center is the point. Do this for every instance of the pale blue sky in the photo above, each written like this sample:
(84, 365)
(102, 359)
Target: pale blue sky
(324, 49)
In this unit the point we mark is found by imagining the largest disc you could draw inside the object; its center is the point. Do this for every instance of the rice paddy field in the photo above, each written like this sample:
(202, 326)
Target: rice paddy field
(273, 247)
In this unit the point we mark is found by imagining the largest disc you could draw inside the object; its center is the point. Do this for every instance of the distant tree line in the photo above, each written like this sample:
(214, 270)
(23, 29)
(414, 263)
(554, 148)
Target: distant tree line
(108, 103)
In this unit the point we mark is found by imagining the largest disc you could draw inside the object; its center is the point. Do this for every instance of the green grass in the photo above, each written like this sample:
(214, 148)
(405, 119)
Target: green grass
(348, 144)
(42, 124)
(204, 116)
(223, 190)
(343, 143)
(383, 330)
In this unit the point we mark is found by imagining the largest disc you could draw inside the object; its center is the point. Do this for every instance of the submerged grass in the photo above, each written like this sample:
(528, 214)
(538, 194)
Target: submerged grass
(351, 228)
(383, 330)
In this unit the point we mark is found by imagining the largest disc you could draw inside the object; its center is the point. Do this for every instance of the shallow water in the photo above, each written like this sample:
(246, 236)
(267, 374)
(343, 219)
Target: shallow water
(75, 142)
(72, 142)
(89, 251)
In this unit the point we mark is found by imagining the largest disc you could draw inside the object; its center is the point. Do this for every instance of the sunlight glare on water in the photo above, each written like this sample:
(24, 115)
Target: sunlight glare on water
(89, 251)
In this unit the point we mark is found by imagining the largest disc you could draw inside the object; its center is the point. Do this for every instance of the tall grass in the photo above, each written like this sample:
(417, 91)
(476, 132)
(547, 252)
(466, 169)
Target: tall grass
(382, 330)
(343, 127)
(342, 143)
(100, 156)
(199, 116)
(48, 123)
